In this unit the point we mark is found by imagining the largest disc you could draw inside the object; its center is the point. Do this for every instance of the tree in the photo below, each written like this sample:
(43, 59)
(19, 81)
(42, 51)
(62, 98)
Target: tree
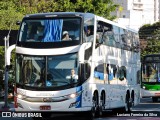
(99, 7)
(2, 58)
(9, 15)
(150, 33)
(14, 10)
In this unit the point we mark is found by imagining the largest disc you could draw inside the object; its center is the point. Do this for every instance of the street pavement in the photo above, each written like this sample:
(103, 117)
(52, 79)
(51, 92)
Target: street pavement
(9, 108)
(145, 107)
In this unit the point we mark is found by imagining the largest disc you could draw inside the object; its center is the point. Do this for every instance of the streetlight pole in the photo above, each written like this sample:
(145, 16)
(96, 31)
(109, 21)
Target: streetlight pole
(6, 43)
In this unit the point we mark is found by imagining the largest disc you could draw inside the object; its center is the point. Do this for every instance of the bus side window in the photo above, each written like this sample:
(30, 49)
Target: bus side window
(112, 71)
(110, 39)
(136, 44)
(99, 72)
(123, 38)
(88, 33)
(106, 33)
(122, 73)
(129, 40)
(116, 31)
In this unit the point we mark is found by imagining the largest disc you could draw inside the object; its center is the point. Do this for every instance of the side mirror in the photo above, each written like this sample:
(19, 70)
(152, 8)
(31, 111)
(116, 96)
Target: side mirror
(18, 23)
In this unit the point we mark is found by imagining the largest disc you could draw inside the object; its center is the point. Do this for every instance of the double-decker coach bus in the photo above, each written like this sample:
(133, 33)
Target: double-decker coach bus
(150, 84)
(76, 62)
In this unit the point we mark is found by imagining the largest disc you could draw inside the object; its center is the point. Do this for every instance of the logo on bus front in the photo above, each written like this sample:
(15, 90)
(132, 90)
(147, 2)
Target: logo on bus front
(47, 100)
(45, 94)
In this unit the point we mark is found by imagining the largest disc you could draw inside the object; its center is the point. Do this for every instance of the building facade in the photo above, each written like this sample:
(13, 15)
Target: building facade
(135, 13)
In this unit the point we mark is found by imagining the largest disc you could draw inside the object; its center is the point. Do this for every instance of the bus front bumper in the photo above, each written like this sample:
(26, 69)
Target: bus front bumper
(64, 106)
(149, 93)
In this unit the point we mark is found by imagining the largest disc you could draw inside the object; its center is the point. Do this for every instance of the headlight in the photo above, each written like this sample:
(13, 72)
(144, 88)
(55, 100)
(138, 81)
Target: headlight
(72, 95)
(143, 87)
(67, 97)
(21, 96)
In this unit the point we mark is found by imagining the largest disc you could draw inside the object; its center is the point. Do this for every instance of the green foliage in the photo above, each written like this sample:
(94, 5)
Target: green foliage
(150, 33)
(153, 47)
(98, 7)
(1, 57)
(13, 10)
(9, 15)
(47, 6)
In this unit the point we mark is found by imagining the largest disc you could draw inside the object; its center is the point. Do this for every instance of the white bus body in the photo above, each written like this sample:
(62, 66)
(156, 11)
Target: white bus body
(108, 71)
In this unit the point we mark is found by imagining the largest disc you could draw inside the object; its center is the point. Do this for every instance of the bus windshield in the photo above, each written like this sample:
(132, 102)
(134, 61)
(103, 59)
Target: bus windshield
(47, 71)
(50, 30)
(151, 72)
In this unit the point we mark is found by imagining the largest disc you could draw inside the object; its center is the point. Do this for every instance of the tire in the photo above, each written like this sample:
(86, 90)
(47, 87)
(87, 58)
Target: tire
(92, 113)
(131, 104)
(101, 106)
(127, 105)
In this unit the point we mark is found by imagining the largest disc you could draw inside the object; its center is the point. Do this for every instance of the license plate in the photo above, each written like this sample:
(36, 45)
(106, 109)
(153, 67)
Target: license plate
(44, 107)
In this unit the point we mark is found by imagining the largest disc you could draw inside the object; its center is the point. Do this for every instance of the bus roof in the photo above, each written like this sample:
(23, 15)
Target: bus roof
(114, 23)
(54, 14)
(66, 14)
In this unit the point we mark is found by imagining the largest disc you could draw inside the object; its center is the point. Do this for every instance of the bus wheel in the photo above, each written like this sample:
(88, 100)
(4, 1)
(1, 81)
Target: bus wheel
(127, 104)
(94, 107)
(154, 99)
(101, 107)
(131, 104)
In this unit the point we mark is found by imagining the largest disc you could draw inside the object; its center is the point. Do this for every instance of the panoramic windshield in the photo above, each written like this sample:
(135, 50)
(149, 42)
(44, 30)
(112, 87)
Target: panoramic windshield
(151, 72)
(50, 30)
(48, 71)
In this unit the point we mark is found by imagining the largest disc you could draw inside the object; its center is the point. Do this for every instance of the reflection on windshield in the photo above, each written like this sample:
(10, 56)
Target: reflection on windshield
(151, 72)
(50, 30)
(51, 71)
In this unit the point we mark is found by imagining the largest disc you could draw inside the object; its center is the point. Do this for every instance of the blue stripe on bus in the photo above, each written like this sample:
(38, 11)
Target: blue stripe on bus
(79, 98)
